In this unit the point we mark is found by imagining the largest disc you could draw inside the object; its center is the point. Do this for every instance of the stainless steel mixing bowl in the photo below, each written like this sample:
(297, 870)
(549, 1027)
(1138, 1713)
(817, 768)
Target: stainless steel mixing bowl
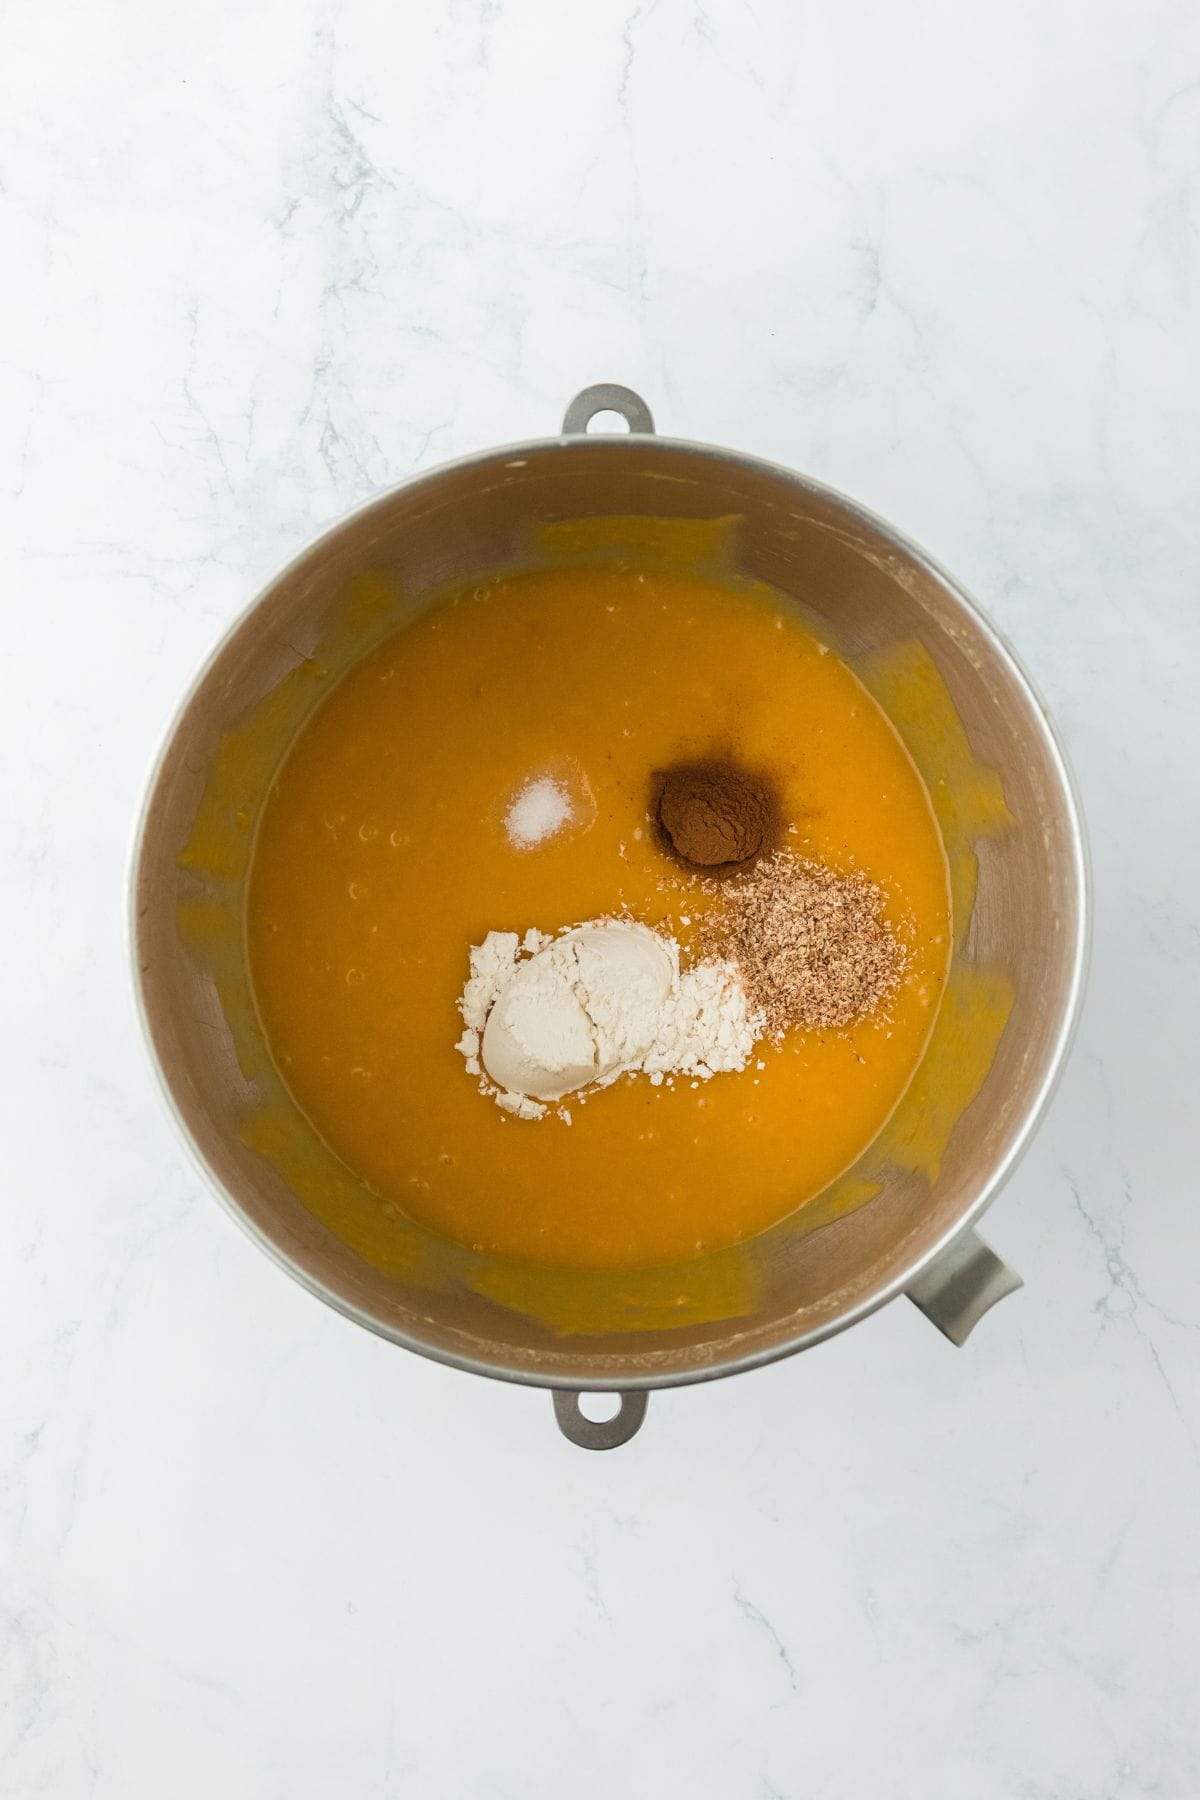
(870, 588)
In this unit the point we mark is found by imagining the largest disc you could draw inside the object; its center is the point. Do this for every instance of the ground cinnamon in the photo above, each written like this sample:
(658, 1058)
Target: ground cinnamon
(713, 814)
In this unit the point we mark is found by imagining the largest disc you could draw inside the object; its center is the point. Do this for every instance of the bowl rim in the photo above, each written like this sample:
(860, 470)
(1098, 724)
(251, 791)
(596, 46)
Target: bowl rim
(637, 443)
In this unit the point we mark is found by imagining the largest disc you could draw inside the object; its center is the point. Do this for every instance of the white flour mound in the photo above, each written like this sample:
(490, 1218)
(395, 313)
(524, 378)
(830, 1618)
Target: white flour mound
(546, 1016)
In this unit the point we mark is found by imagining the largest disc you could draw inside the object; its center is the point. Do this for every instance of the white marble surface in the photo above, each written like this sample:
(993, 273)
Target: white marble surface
(260, 260)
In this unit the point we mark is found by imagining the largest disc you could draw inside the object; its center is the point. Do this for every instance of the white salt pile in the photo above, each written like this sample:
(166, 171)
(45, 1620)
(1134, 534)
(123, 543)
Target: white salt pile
(537, 811)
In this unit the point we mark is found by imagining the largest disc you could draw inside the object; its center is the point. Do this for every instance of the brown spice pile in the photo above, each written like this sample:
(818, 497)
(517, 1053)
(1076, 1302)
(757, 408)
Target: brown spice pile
(713, 813)
(812, 946)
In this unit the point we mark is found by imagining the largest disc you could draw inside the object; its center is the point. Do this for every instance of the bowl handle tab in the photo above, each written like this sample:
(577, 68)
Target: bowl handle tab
(607, 396)
(598, 1434)
(957, 1289)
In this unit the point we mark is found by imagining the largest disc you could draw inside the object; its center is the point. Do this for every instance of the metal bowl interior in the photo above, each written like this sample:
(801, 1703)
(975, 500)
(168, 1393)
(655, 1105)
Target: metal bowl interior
(869, 590)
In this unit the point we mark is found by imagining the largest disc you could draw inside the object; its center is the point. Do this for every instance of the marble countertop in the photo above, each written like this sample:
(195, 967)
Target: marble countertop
(261, 261)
